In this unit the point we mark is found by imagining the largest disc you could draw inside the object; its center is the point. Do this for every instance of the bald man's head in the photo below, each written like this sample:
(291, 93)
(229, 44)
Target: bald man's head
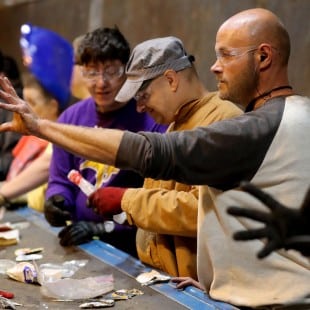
(257, 26)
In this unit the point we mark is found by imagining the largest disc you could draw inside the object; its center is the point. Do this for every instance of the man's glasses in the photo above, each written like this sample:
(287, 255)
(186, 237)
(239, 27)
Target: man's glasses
(227, 55)
(141, 96)
(110, 73)
(145, 85)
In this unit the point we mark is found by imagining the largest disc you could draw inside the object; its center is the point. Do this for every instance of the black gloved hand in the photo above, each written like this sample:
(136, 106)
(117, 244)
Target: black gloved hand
(81, 232)
(54, 211)
(284, 227)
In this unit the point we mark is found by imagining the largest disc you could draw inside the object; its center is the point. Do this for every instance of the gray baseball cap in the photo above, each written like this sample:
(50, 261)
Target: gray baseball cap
(150, 59)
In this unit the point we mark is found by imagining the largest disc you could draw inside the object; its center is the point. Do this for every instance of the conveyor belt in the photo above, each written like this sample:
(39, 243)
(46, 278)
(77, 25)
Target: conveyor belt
(190, 298)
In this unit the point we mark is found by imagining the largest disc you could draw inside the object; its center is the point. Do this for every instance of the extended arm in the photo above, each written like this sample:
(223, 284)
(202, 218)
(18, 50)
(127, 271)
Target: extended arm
(31, 177)
(93, 143)
(205, 150)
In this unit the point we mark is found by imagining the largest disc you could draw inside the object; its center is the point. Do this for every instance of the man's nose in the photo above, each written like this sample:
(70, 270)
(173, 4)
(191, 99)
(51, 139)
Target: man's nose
(216, 67)
(140, 107)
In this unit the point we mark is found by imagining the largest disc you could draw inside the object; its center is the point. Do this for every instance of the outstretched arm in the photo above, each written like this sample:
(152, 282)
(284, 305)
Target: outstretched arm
(93, 143)
(34, 175)
(283, 227)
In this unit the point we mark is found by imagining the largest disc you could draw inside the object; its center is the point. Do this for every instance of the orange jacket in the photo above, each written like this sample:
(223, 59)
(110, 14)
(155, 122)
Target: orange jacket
(27, 149)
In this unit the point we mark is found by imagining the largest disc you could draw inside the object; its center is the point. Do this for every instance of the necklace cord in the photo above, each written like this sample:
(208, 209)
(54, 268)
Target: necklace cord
(251, 105)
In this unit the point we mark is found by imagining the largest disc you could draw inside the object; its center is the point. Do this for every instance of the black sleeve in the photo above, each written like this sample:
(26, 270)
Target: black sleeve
(8, 140)
(5, 162)
(220, 155)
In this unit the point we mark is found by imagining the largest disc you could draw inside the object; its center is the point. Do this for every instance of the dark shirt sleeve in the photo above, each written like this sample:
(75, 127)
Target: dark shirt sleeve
(8, 140)
(5, 162)
(220, 155)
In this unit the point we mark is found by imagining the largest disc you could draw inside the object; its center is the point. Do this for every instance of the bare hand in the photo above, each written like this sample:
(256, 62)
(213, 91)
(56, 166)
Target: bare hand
(24, 121)
(183, 282)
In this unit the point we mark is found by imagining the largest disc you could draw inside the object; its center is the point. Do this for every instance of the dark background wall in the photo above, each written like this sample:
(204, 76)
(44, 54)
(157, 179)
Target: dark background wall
(193, 21)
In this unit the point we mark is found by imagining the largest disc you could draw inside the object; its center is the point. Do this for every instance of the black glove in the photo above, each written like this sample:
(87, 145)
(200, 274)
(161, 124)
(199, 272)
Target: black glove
(54, 211)
(284, 227)
(81, 232)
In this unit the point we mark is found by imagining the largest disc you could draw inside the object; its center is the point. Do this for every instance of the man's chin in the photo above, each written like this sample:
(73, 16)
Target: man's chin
(159, 119)
(223, 95)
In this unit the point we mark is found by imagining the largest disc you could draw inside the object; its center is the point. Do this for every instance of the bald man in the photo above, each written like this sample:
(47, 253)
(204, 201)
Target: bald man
(268, 145)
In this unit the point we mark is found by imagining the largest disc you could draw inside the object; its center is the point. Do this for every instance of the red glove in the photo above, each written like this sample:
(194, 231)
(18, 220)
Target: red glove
(107, 200)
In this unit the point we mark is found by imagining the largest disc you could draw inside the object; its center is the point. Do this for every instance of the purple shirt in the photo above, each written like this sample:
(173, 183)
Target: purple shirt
(83, 113)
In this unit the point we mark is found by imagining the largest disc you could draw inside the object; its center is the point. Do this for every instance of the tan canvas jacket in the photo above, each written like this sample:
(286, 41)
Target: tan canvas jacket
(165, 212)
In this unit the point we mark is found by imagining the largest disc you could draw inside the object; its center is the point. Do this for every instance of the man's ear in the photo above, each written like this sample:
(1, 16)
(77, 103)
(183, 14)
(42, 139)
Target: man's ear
(265, 55)
(172, 78)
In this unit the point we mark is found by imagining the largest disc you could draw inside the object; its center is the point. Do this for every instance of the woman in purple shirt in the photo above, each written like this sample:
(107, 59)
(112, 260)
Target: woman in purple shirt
(103, 55)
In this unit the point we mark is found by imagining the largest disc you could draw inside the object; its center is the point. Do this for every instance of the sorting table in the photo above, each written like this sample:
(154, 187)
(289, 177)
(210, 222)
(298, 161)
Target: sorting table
(103, 259)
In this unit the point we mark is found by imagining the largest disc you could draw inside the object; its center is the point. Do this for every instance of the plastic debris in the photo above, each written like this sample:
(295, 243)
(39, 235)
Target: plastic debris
(20, 225)
(8, 234)
(29, 257)
(87, 188)
(9, 237)
(8, 304)
(23, 272)
(103, 303)
(90, 287)
(124, 294)
(152, 277)
(6, 294)
(27, 251)
(49, 272)
(6, 264)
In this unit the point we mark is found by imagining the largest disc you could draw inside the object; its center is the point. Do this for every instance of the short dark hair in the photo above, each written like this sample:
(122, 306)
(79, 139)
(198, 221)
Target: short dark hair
(104, 44)
(10, 68)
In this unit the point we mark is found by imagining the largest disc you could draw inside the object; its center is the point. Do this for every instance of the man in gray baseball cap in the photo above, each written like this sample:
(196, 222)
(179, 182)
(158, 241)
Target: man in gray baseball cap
(151, 59)
(164, 81)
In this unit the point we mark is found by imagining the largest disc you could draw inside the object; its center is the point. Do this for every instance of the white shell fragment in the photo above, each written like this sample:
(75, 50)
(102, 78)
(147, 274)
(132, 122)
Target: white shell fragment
(148, 278)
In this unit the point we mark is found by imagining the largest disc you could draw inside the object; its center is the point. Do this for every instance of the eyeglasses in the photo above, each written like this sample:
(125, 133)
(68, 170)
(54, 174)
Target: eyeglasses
(227, 55)
(142, 96)
(110, 73)
(145, 85)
